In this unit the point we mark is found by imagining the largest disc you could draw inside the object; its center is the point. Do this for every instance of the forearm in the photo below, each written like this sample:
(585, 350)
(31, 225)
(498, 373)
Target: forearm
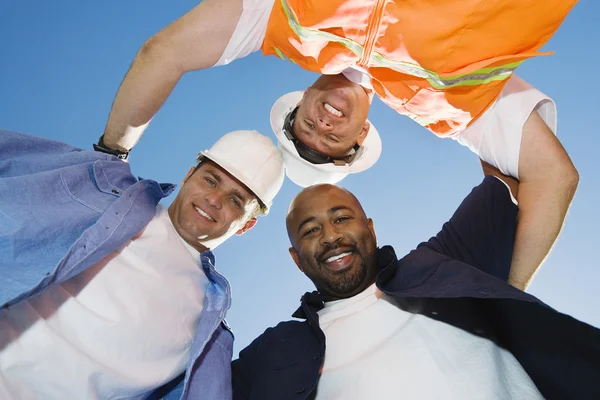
(548, 180)
(542, 210)
(193, 42)
(148, 83)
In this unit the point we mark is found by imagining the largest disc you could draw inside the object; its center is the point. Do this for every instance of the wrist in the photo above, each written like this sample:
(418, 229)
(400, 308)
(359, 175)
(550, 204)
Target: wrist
(114, 144)
(102, 147)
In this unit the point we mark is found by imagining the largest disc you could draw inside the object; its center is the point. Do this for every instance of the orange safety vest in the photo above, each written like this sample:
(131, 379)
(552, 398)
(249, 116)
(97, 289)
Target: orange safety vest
(442, 63)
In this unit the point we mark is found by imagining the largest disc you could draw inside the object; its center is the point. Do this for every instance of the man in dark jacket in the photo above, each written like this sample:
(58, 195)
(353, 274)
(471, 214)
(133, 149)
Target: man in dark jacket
(439, 323)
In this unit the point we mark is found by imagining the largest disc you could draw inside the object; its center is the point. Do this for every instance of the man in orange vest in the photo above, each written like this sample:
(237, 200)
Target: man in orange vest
(447, 65)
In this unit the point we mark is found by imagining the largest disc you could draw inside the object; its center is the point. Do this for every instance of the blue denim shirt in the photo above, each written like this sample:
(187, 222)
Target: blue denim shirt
(63, 209)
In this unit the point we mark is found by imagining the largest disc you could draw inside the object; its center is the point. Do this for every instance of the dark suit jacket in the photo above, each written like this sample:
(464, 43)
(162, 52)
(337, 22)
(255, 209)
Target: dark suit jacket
(458, 277)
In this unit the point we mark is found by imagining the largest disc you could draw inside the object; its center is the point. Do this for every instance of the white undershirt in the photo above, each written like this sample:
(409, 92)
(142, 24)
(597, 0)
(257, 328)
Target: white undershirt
(376, 350)
(118, 330)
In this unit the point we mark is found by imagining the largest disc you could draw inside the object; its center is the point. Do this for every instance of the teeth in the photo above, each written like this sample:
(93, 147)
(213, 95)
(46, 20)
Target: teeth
(332, 110)
(205, 215)
(335, 258)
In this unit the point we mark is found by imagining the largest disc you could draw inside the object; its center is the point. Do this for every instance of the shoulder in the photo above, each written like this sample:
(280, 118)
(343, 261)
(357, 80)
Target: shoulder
(283, 345)
(285, 329)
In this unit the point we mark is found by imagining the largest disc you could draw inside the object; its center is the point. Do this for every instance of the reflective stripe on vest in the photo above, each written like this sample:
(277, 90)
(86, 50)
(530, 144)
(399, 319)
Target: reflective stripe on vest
(315, 34)
(478, 77)
(441, 63)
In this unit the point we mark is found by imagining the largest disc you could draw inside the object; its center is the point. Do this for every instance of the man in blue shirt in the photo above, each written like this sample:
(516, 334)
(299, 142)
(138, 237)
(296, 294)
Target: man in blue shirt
(104, 292)
(440, 323)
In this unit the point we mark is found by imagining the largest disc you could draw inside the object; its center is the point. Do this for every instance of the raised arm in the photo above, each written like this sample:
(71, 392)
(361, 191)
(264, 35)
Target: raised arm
(517, 135)
(548, 181)
(195, 41)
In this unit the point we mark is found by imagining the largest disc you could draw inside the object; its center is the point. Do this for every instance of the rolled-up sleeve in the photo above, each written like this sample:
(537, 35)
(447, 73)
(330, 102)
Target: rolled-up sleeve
(250, 31)
(496, 136)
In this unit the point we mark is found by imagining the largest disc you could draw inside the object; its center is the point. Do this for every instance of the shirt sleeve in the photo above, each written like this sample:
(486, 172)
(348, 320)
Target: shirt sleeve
(242, 370)
(482, 230)
(496, 136)
(249, 33)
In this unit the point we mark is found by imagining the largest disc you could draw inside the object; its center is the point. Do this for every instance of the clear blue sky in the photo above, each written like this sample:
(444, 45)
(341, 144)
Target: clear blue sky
(62, 62)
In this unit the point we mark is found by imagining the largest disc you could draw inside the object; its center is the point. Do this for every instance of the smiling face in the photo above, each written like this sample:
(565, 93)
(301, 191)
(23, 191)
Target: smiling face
(333, 242)
(332, 116)
(211, 206)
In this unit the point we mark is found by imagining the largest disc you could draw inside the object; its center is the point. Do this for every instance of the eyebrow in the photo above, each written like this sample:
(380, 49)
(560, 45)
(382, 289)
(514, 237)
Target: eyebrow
(214, 175)
(235, 191)
(332, 210)
(303, 129)
(304, 222)
(239, 194)
(338, 208)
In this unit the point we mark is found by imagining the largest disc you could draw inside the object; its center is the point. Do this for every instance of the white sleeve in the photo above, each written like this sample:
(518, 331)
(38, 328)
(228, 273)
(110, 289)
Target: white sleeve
(250, 31)
(496, 136)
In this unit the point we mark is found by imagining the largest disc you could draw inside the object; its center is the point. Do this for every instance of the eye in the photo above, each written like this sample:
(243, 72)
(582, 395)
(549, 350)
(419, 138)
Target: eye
(309, 124)
(332, 138)
(210, 181)
(341, 219)
(310, 231)
(236, 203)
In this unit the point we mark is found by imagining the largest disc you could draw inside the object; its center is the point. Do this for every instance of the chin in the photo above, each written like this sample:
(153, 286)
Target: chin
(213, 242)
(350, 282)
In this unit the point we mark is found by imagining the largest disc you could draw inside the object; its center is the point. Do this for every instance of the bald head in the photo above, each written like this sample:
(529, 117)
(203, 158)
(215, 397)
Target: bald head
(317, 195)
(333, 241)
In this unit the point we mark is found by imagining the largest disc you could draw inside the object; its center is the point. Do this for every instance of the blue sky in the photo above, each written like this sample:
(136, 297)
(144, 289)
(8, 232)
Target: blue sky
(62, 62)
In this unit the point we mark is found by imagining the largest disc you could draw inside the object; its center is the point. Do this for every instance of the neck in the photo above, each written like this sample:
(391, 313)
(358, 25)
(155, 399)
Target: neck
(360, 289)
(198, 246)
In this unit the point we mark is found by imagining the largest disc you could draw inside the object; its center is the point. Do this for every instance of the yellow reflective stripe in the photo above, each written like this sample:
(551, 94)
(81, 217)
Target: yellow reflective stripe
(283, 56)
(478, 77)
(315, 34)
(423, 121)
(280, 54)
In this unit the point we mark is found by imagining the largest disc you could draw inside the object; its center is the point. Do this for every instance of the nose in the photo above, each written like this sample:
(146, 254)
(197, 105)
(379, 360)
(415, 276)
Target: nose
(324, 123)
(214, 199)
(330, 235)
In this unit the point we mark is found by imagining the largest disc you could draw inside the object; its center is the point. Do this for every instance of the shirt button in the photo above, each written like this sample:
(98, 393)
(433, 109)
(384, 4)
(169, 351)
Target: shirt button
(115, 191)
(317, 356)
(300, 391)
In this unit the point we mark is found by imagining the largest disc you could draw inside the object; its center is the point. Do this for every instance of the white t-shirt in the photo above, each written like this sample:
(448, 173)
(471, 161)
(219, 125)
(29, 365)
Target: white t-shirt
(495, 136)
(118, 330)
(375, 350)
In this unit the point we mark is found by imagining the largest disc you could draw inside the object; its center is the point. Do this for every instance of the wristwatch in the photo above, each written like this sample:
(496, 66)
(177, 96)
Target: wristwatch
(101, 147)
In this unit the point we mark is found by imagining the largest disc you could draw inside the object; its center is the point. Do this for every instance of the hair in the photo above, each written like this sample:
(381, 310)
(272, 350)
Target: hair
(258, 210)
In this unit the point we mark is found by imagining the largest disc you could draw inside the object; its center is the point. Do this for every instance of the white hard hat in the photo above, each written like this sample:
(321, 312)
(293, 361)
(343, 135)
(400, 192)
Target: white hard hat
(303, 172)
(253, 159)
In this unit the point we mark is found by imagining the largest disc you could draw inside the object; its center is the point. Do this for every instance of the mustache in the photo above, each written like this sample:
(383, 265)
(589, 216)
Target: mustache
(346, 246)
